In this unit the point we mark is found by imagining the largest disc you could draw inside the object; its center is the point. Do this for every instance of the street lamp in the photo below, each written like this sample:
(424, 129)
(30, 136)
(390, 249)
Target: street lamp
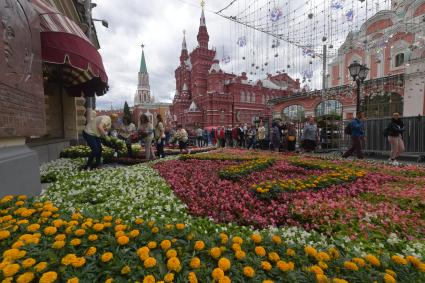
(359, 73)
(104, 22)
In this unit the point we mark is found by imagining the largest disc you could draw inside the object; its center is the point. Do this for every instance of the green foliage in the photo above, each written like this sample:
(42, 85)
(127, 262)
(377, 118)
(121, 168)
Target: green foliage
(126, 111)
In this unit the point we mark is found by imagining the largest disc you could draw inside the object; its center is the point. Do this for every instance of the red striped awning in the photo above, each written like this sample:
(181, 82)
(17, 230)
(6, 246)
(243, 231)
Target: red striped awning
(63, 42)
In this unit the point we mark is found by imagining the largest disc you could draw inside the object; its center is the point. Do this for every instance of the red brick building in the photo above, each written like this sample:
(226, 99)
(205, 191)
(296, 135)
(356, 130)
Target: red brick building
(207, 96)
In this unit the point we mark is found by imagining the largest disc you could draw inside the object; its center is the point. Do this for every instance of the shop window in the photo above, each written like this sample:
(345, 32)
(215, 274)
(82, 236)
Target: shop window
(399, 59)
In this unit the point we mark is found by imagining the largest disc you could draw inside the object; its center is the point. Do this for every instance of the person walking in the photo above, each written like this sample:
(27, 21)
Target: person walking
(222, 137)
(182, 137)
(275, 136)
(292, 137)
(261, 135)
(147, 134)
(251, 133)
(394, 131)
(356, 129)
(199, 136)
(160, 136)
(241, 136)
(228, 134)
(310, 136)
(96, 129)
(125, 134)
(235, 136)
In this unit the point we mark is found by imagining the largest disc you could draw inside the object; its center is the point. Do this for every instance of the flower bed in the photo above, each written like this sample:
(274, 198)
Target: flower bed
(40, 242)
(235, 172)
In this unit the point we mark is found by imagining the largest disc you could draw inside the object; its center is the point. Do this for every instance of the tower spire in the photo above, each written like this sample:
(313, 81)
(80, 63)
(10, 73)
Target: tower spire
(143, 68)
(184, 47)
(184, 54)
(203, 36)
(202, 20)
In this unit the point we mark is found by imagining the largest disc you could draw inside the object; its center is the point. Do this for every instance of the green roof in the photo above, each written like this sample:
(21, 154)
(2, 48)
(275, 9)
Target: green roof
(143, 68)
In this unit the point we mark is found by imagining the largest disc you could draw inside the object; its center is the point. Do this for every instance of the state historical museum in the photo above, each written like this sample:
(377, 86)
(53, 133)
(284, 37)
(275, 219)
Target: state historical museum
(207, 96)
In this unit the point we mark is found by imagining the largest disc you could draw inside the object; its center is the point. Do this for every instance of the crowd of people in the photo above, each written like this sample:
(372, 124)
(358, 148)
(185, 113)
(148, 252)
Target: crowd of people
(280, 137)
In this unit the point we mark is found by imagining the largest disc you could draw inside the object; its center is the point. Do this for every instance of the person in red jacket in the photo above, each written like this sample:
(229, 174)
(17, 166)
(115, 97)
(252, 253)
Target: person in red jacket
(222, 136)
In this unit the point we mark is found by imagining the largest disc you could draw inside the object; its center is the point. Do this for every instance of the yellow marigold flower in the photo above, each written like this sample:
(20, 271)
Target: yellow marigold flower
(76, 216)
(25, 277)
(143, 255)
(256, 238)
(165, 244)
(236, 247)
(107, 218)
(276, 239)
(310, 251)
(107, 225)
(224, 263)
(359, 261)
(22, 222)
(224, 238)
(180, 226)
(217, 273)
(152, 245)
(98, 227)
(151, 223)
(266, 265)
(413, 260)
(4, 234)
(225, 279)
(18, 203)
(322, 256)
(322, 265)
(51, 230)
(10, 269)
(125, 270)
(215, 252)
(118, 221)
(92, 237)
(107, 256)
(240, 255)
(389, 279)
(321, 278)
(237, 240)
(46, 214)
(120, 227)
(372, 260)
(60, 237)
(40, 266)
(91, 251)
(189, 237)
(248, 271)
(399, 260)
(285, 266)
(78, 262)
(6, 198)
(195, 262)
(169, 277)
(290, 252)
(351, 266)
(171, 253)
(192, 277)
(28, 262)
(80, 232)
(268, 281)
(338, 280)
(123, 240)
(316, 269)
(391, 272)
(68, 259)
(119, 234)
(199, 245)
(33, 227)
(155, 230)
(73, 280)
(134, 233)
(149, 262)
(274, 257)
(48, 277)
(75, 242)
(173, 264)
(109, 280)
(260, 251)
(13, 254)
(58, 244)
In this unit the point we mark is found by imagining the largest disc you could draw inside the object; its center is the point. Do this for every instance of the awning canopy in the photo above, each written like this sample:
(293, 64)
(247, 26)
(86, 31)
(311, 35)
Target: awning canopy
(64, 43)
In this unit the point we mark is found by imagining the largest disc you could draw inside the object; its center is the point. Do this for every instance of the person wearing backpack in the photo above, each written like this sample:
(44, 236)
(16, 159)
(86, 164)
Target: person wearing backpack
(356, 129)
(394, 132)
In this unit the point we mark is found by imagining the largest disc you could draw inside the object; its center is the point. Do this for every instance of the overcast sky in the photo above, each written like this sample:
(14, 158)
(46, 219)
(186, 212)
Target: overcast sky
(159, 24)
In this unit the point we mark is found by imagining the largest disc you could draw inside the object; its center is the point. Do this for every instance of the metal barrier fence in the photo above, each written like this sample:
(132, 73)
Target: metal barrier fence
(414, 136)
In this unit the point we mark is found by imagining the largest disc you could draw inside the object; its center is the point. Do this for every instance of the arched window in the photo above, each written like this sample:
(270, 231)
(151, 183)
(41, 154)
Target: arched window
(242, 96)
(329, 107)
(293, 113)
(382, 104)
(399, 59)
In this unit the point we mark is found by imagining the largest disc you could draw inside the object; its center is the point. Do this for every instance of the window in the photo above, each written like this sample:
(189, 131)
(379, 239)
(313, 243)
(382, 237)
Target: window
(382, 104)
(399, 59)
(293, 113)
(242, 96)
(329, 107)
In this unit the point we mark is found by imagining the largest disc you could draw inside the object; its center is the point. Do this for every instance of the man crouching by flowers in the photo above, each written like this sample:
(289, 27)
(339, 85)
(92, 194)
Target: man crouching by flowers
(182, 138)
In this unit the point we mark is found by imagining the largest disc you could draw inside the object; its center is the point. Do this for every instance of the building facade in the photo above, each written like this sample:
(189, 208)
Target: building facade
(206, 96)
(144, 101)
(392, 45)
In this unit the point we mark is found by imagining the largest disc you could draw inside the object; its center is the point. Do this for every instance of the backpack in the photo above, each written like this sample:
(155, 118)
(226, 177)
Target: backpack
(348, 129)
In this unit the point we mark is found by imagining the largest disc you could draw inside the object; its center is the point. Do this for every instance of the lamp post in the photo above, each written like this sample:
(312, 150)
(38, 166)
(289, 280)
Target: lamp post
(359, 73)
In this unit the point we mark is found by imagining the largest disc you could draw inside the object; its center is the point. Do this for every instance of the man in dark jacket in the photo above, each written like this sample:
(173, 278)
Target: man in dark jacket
(357, 136)
(394, 132)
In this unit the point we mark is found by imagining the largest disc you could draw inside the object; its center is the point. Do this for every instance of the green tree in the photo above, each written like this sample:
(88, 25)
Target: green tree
(127, 112)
